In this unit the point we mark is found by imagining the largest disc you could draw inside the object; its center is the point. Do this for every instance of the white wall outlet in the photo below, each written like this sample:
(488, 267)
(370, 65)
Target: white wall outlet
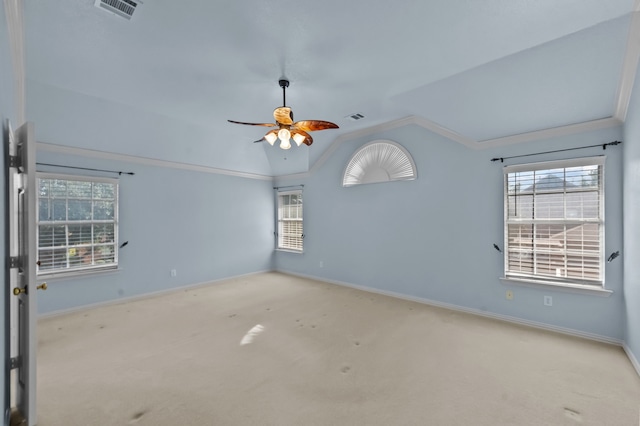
(322, 263)
(174, 272)
(548, 301)
(509, 295)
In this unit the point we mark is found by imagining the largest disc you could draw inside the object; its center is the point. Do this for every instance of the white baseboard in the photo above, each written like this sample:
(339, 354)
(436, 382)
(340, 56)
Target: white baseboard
(144, 295)
(632, 358)
(507, 318)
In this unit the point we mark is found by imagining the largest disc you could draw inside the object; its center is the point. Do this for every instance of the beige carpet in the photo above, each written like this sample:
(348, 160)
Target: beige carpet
(324, 355)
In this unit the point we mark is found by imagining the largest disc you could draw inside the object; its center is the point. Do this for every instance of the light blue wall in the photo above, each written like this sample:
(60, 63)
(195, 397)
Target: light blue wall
(632, 222)
(432, 238)
(206, 226)
(6, 111)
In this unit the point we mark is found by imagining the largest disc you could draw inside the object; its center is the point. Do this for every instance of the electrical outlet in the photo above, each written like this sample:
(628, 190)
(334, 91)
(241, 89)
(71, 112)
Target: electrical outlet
(174, 272)
(548, 301)
(509, 295)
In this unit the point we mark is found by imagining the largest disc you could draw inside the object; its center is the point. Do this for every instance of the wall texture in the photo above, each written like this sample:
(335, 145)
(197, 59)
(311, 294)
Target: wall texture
(432, 238)
(632, 224)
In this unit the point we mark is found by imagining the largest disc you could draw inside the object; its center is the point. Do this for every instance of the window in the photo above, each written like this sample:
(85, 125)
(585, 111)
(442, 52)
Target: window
(554, 221)
(290, 231)
(77, 224)
(379, 161)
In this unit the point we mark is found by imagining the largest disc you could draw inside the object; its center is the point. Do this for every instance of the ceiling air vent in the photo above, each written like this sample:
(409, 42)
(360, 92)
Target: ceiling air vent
(124, 8)
(355, 117)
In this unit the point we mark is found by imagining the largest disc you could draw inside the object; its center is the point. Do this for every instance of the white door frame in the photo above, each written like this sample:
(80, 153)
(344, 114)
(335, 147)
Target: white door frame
(21, 215)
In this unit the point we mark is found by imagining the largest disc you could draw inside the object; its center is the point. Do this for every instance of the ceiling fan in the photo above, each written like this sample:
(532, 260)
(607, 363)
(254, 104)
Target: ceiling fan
(286, 127)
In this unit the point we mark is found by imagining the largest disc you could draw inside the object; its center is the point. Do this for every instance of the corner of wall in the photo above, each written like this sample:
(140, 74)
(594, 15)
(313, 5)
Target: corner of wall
(632, 357)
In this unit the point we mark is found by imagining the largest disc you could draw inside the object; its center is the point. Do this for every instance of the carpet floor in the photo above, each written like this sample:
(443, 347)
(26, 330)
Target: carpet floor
(272, 349)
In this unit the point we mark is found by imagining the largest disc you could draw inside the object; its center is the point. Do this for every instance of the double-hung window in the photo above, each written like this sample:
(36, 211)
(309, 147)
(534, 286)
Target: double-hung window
(554, 222)
(290, 231)
(77, 224)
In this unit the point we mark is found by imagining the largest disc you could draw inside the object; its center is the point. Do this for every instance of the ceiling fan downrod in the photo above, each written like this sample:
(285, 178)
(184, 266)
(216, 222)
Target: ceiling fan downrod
(284, 84)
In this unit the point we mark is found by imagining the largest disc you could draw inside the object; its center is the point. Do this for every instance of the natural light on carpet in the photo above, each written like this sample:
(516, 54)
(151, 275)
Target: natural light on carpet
(251, 334)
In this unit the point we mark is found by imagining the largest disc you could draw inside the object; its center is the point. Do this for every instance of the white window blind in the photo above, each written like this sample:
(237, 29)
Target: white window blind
(379, 161)
(290, 228)
(554, 221)
(77, 223)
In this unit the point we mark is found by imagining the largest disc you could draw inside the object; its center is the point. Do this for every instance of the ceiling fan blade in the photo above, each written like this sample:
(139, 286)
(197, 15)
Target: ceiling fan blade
(259, 140)
(314, 125)
(253, 124)
(283, 115)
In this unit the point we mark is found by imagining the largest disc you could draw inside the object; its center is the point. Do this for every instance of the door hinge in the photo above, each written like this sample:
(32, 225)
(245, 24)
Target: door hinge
(15, 362)
(14, 262)
(14, 161)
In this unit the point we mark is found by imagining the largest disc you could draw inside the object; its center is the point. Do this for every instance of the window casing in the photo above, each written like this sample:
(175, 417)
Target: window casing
(77, 224)
(290, 233)
(554, 222)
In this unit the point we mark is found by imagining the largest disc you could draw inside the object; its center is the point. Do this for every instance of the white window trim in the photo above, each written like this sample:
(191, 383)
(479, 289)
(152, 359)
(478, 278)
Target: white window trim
(594, 290)
(278, 220)
(95, 269)
(570, 285)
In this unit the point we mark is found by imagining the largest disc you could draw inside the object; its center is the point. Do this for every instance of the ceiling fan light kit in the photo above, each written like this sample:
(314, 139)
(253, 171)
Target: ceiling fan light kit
(287, 129)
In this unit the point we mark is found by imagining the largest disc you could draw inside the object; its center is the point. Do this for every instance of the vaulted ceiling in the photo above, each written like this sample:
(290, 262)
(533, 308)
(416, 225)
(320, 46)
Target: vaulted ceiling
(478, 71)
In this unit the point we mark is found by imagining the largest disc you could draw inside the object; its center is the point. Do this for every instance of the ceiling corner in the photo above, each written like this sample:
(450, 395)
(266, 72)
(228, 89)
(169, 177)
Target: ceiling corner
(629, 66)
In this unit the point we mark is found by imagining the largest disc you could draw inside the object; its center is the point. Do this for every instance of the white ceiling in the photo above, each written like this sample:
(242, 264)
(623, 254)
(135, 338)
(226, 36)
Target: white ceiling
(482, 69)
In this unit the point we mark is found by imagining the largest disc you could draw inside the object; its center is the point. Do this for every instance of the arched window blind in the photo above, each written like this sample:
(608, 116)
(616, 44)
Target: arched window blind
(379, 161)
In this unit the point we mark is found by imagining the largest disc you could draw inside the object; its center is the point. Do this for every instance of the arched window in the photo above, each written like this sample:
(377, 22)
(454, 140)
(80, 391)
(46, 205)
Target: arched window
(379, 161)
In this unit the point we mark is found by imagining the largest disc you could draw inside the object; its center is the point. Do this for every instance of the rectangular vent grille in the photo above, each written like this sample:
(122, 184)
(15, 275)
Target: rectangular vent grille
(355, 117)
(124, 8)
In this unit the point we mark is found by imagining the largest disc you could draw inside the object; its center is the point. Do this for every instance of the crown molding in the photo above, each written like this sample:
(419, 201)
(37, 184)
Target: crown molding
(382, 127)
(629, 66)
(419, 121)
(553, 132)
(103, 155)
(15, 27)
(389, 125)
(447, 133)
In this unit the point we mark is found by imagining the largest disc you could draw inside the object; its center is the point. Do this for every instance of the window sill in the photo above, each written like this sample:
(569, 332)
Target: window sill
(569, 288)
(76, 274)
(290, 251)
